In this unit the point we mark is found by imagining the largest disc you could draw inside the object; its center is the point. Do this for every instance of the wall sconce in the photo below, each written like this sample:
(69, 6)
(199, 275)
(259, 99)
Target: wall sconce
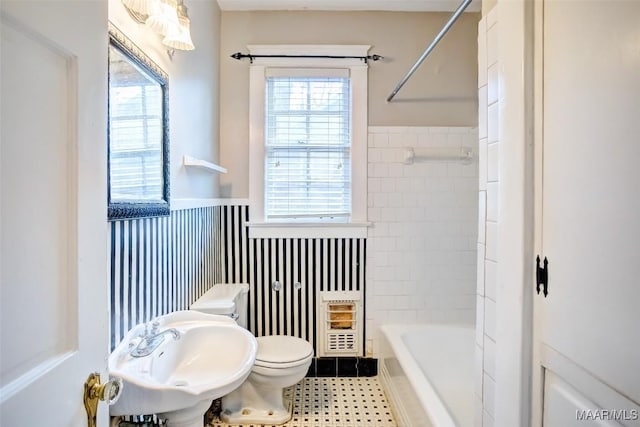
(168, 18)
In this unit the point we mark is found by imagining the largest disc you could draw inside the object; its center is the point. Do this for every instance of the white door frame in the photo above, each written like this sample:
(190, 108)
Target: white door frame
(537, 373)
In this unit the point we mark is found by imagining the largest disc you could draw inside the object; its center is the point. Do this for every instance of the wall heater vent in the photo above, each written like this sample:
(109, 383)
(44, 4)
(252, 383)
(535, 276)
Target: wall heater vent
(340, 329)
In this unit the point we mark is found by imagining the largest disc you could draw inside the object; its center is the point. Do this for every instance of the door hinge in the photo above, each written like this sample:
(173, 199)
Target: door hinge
(542, 276)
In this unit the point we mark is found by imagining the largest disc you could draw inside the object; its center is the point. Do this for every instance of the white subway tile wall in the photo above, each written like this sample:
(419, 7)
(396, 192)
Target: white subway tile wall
(489, 364)
(491, 278)
(421, 247)
(489, 319)
(480, 322)
(482, 112)
(488, 218)
(488, 392)
(492, 202)
(478, 412)
(492, 133)
(492, 84)
(491, 252)
(483, 157)
(478, 373)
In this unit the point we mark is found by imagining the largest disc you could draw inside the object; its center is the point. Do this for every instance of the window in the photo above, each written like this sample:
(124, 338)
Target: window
(308, 147)
(308, 134)
(138, 178)
(135, 137)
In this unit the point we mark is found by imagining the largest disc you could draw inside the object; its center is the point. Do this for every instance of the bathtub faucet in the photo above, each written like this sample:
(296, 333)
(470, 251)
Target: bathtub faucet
(151, 339)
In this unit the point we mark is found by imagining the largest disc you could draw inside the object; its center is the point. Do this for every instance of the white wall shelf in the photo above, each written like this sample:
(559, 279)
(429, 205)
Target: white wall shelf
(192, 161)
(462, 154)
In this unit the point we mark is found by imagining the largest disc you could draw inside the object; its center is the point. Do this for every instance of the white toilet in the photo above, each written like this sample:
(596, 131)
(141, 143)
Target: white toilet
(281, 361)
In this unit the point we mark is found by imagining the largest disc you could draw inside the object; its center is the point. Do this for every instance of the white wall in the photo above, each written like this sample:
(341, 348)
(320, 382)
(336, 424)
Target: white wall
(421, 247)
(193, 90)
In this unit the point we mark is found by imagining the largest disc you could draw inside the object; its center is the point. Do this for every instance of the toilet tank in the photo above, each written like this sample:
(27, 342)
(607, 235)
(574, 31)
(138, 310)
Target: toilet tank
(228, 299)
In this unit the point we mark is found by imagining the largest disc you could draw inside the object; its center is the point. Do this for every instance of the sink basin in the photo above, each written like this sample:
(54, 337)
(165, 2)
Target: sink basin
(179, 379)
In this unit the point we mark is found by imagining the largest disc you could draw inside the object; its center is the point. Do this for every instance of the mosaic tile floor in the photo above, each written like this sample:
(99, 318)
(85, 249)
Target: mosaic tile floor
(337, 402)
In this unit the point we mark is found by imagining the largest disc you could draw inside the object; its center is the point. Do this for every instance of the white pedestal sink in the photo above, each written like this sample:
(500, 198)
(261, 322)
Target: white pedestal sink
(179, 379)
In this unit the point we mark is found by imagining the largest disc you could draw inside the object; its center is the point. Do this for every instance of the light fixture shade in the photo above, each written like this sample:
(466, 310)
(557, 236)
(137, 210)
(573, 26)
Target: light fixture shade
(143, 7)
(179, 37)
(163, 17)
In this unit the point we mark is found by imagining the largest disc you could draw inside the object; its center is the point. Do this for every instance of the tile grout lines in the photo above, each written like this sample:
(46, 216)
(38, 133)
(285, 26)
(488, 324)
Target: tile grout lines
(337, 402)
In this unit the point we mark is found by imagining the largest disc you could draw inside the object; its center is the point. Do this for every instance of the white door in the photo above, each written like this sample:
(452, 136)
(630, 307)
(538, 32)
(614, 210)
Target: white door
(53, 258)
(587, 349)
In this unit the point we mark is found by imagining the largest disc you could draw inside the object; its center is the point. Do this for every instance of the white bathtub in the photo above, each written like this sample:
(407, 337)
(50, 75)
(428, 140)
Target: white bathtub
(427, 372)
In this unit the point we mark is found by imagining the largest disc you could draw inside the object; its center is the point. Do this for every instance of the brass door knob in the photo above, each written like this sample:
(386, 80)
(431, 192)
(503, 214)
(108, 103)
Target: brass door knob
(94, 392)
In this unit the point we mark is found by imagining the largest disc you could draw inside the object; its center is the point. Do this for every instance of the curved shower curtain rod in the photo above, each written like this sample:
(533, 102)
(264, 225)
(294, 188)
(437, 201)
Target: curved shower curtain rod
(433, 44)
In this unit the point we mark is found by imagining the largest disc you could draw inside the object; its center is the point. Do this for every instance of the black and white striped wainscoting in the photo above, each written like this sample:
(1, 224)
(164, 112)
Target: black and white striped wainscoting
(317, 264)
(160, 265)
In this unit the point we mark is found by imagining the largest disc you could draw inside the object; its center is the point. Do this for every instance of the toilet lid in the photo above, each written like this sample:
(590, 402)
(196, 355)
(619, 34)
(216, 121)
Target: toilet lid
(282, 349)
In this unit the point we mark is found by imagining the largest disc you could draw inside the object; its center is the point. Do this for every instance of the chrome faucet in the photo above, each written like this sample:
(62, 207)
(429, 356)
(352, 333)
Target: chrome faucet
(151, 339)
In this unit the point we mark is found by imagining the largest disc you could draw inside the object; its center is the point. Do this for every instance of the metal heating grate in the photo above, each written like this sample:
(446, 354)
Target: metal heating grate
(341, 326)
(341, 342)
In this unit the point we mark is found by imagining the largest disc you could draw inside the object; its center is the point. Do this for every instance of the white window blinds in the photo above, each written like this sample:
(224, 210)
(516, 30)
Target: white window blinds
(135, 132)
(308, 145)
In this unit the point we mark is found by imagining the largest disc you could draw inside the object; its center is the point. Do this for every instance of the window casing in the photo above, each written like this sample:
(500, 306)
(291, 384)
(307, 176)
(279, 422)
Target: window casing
(264, 222)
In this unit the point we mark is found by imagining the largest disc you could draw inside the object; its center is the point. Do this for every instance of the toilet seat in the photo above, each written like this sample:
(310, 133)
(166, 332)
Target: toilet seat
(281, 352)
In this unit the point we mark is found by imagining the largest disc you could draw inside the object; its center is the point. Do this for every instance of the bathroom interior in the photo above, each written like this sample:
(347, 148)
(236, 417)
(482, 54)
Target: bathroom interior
(417, 302)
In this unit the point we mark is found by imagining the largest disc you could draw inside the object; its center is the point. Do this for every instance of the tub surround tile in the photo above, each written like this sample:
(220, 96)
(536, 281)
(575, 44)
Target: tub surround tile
(478, 412)
(421, 260)
(487, 419)
(493, 210)
(491, 279)
(482, 164)
(492, 86)
(482, 217)
(489, 221)
(488, 394)
(493, 125)
(493, 160)
(477, 371)
(480, 271)
(490, 318)
(492, 44)
(482, 53)
(492, 241)
(480, 321)
(490, 357)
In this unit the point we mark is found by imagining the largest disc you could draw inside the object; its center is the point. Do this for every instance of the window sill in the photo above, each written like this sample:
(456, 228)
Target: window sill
(308, 230)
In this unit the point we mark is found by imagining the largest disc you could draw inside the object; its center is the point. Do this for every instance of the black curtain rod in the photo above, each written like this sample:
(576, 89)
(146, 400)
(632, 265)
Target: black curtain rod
(240, 56)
